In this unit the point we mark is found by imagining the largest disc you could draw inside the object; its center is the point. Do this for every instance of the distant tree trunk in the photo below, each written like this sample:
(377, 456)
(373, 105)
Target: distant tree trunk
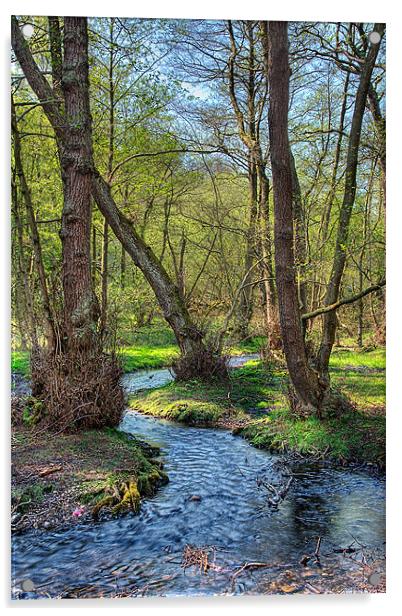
(104, 275)
(305, 380)
(94, 255)
(245, 305)
(329, 201)
(332, 294)
(123, 268)
(50, 330)
(105, 244)
(28, 314)
(56, 56)
(247, 128)
(367, 210)
(173, 306)
(271, 308)
(300, 239)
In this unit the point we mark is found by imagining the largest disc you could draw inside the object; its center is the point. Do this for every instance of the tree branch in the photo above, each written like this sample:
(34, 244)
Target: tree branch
(343, 302)
(35, 78)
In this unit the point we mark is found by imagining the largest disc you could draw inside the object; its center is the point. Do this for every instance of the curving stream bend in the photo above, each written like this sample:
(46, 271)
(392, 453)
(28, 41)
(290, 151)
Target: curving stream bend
(142, 554)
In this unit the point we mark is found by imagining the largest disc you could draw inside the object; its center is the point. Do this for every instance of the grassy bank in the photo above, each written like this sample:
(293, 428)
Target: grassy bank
(254, 402)
(199, 403)
(63, 479)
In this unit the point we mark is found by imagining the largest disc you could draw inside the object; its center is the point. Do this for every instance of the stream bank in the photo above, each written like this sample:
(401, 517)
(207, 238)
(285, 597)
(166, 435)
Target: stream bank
(215, 504)
(143, 554)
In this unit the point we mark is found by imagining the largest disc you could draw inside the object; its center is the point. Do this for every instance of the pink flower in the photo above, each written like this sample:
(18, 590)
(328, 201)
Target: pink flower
(78, 511)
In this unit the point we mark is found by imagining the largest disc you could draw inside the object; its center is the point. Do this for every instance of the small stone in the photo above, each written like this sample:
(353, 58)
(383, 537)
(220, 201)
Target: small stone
(47, 524)
(195, 498)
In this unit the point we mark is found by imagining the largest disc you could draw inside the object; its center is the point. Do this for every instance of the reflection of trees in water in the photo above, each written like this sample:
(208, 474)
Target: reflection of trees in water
(323, 508)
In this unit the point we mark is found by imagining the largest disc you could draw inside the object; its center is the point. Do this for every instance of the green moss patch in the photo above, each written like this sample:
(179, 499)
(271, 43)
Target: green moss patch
(354, 437)
(200, 403)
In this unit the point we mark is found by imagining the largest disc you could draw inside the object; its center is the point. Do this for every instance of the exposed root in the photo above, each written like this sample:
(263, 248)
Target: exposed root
(206, 365)
(77, 390)
(125, 495)
(333, 404)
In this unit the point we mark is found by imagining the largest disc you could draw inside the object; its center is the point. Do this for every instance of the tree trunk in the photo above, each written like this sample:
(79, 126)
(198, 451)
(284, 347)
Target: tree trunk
(332, 294)
(104, 275)
(81, 309)
(300, 239)
(50, 330)
(188, 336)
(271, 308)
(28, 313)
(245, 306)
(305, 381)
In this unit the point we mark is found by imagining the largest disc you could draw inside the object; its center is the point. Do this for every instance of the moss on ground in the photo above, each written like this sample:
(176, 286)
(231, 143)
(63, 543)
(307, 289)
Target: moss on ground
(253, 402)
(53, 475)
(199, 403)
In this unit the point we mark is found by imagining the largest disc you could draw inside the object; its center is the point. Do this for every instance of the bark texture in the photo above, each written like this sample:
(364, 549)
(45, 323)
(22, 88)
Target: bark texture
(81, 310)
(304, 379)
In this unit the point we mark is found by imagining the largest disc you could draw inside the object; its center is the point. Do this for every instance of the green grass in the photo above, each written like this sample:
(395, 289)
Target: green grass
(199, 403)
(357, 435)
(253, 345)
(354, 436)
(136, 357)
(342, 358)
(360, 375)
(151, 349)
(20, 362)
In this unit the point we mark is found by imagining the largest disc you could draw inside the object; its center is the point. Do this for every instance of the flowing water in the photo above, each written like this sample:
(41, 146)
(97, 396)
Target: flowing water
(213, 499)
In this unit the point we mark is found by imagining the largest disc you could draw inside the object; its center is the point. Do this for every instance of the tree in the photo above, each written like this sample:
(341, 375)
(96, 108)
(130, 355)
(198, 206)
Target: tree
(309, 390)
(332, 293)
(78, 356)
(81, 305)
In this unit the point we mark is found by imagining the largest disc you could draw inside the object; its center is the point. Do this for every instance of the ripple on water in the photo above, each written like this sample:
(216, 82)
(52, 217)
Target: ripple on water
(143, 553)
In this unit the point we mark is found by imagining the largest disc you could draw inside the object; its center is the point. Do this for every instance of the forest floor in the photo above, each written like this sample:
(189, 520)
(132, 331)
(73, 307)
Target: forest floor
(72, 478)
(254, 404)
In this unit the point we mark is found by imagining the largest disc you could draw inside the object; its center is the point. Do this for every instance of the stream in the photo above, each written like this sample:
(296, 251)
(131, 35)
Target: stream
(142, 555)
